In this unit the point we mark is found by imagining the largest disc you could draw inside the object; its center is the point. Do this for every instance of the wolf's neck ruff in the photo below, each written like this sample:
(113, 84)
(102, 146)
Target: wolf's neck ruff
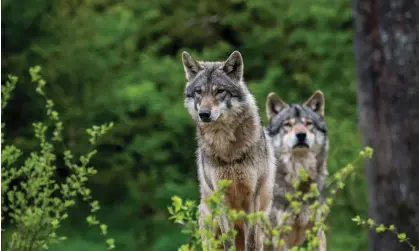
(230, 140)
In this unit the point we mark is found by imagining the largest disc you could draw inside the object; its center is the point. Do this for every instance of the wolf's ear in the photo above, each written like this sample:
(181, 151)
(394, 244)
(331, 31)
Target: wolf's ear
(191, 66)
(233, 66)
(274, 105)
(316, 103)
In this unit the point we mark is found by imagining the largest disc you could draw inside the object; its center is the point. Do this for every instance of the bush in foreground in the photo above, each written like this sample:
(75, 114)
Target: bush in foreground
(34, 201)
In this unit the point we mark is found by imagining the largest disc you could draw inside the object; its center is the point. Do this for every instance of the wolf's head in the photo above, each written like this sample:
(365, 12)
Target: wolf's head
(214, 91)
(297, 128)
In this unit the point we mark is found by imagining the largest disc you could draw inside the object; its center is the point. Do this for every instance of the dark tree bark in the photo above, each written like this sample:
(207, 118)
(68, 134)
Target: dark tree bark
(387, 51)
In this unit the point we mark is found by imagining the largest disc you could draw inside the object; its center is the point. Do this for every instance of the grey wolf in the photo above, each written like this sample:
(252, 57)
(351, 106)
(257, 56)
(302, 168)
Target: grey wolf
(232, 144)
(299, 138)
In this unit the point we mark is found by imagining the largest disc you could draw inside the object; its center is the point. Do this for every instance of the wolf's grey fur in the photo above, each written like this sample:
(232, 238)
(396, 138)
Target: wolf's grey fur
(299, 137)
(232, 143)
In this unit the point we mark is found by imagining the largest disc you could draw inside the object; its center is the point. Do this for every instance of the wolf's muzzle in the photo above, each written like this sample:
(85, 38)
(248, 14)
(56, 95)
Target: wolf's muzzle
(205, 115)
(301, 139)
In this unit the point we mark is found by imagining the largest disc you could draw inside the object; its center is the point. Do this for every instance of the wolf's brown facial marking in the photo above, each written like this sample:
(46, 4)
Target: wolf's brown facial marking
(298, 125)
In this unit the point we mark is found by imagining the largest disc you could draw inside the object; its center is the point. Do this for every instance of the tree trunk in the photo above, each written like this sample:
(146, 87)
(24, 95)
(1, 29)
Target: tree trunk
(387, 59)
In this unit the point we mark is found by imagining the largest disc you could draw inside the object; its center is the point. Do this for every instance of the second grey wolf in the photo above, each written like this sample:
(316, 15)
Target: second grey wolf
(299, 138)
(232, 144)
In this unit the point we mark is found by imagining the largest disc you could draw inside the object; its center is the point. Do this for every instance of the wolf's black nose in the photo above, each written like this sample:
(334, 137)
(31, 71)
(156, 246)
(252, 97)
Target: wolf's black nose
(205, 114)
(301, 136)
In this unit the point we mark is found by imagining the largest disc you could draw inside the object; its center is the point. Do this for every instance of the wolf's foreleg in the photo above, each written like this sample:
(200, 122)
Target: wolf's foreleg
(225, 227)
(277, 221)
(203, 228)
(254, 232)
(321, 236)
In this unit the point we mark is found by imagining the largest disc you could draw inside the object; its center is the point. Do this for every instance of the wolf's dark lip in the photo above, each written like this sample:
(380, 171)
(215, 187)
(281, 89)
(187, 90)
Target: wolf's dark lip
(300, 145)
(205, 120)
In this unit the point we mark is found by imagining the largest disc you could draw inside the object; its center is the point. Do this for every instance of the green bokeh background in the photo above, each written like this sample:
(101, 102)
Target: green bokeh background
(108, 60)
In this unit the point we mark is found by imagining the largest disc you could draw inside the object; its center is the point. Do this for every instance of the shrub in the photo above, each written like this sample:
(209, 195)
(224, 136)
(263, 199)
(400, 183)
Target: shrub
(33, 200)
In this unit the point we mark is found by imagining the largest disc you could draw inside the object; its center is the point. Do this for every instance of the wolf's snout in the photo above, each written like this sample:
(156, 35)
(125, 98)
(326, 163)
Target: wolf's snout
(205, 115)
(301, 137)
(300, 140)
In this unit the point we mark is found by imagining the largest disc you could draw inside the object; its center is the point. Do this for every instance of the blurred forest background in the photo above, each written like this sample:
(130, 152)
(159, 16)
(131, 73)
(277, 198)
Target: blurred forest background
(120, 61)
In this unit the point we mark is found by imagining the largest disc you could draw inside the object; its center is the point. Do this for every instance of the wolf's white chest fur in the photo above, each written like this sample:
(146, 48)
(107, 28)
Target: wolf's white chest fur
(293, 163)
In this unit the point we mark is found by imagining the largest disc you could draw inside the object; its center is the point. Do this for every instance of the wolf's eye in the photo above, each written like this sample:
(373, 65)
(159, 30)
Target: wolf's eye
(220, 91)
(309, 123)
(286, 124)
(198, 91)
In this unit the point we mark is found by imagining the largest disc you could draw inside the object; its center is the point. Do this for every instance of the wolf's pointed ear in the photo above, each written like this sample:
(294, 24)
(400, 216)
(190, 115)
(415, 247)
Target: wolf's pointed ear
(233, 66)
(316, 103)
(191, 66)
(274, 105)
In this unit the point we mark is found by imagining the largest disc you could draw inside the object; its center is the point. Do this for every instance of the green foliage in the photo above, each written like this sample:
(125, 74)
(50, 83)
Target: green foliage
(381, 228)
(32, 199)
(120, 61)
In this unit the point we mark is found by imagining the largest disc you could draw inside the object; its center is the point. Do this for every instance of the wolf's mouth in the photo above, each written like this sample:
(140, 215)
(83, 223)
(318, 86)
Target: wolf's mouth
(206, 120)
(300, 145)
